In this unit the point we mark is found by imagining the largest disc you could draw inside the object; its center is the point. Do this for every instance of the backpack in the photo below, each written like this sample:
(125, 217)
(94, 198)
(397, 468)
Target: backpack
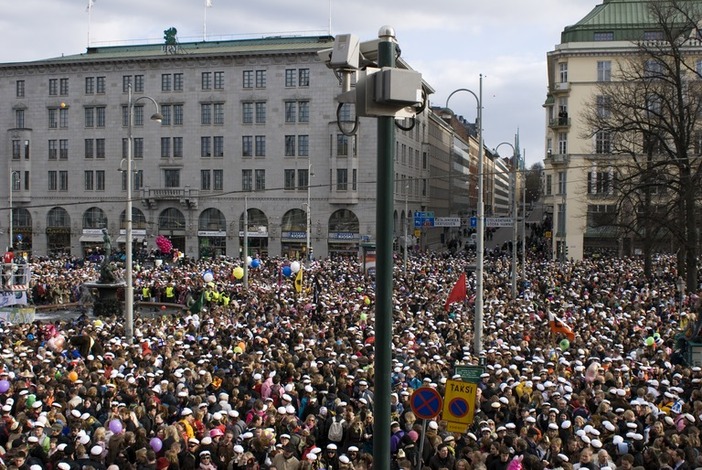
(336, 430)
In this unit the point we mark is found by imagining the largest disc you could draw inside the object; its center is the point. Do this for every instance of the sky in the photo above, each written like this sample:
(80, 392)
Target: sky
(450, 42)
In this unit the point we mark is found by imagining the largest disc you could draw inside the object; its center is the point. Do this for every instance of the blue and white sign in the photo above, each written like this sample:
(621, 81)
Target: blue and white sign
(423, 219)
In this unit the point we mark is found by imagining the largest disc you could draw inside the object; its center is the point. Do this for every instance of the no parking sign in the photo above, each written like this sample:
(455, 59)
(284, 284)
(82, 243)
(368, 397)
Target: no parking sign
(459, 405)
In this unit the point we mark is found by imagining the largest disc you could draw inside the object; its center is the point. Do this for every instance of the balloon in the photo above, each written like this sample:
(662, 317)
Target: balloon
(72, 376)
(248, 261)
(359, 289)
(255, 263)
(366, 300)
(115, 426)
(163, 307)
(650, 341)
(287, 271)
(31, 399)
(564, 344)
(156, 444)
(295, 266)
(4, 386)
(238, 272)
(208, 276)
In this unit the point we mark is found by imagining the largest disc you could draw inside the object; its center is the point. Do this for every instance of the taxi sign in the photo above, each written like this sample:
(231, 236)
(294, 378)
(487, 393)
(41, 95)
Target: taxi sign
(459, 405)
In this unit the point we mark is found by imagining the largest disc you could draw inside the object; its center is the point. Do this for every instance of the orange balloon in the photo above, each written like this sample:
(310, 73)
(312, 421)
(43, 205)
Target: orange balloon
(72, 376)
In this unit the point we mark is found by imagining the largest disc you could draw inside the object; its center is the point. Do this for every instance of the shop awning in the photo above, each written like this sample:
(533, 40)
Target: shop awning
(121, 239)
(90, 238)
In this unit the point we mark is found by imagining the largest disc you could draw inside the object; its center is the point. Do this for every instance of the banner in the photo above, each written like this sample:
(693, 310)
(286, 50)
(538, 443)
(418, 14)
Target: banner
(8, 299)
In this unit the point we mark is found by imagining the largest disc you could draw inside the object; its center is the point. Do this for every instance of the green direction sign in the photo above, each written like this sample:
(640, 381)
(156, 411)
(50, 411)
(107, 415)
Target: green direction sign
(469, 373)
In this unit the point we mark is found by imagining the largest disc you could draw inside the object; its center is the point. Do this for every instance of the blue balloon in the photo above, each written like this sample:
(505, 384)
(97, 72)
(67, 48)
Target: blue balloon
(287, 271)
(255, 263)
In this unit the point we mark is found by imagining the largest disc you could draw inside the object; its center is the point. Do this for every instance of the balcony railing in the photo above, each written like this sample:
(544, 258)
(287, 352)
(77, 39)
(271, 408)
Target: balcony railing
(558, 158)
(187, 197)
(559, 123)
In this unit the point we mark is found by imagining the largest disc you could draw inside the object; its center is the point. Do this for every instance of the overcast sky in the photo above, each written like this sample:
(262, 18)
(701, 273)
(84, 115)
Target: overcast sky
(451, 42)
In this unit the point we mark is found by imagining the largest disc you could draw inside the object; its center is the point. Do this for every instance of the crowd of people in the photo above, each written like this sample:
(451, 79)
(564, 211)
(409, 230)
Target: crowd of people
(271, 378)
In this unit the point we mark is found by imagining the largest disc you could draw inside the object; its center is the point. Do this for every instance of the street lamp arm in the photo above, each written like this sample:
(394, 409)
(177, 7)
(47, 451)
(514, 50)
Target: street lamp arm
(157, 116)
(462, 89)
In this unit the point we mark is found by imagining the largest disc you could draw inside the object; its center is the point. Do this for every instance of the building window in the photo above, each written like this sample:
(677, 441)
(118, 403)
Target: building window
(297, 111)
(603, 106)
(138, 148)
(89, 85)
(165, 147)
(126, 81)
(246, 180)
(19, 118)
(88, 178)
(260, 180)
(139, 83)
(653, 35)
(342, 145)
(549, 185)
(99, 180)
(303, 145)
(89, 148)
(63, 180)
(247, 79)
(100, 116)
(561, 182)
(177, 147)
(166, 82)
(303, 179)
(205, 147)
(603, 36)
(100, 148)
(177, 114)
(289, 145)
(604, 71)
(603, 142)
(260, 145)
(205, 182)
(89, 117)
(63, 87)
(206, 80)
(290, 111)
(600, 182)
(290, 78)
(218, 180)
(100, 85)
(19, 88)
(562, 143)
(16, 149)
(653, 68)
(354, 180)
(260, 112)
(53, 181)
(53, 86)
(63, 118)
(219, 80)
(53, 118)
(218, 109)
(53, 149)
(247, 110)
(247, 146)
(342, 179)
(206, 114)
(289, 182)
(166, 113)
(171, 178)
(563, 72)
(218, 146)
(303, 79)
(63, 149)
(260, 79)
(177, 82)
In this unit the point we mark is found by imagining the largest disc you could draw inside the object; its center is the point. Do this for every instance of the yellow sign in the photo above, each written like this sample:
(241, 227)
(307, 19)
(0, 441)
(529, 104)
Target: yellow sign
(547, 234)
(417, 233)
(459, 405)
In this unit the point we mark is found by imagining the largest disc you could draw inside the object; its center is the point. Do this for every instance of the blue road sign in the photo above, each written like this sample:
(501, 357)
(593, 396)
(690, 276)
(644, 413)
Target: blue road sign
(423, 219)
(426, 403)
(473, 222)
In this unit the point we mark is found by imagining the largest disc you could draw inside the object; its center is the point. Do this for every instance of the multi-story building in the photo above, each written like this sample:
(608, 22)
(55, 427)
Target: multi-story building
(247, 125)
(580, 170)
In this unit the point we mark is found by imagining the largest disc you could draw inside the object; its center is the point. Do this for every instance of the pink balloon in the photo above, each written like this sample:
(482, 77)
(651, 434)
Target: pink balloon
(156, 444)
(115, 426)
(4, 386)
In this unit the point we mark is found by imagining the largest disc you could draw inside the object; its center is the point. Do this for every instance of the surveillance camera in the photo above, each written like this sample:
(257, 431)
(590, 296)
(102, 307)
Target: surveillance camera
(345, 53)
(325, 56)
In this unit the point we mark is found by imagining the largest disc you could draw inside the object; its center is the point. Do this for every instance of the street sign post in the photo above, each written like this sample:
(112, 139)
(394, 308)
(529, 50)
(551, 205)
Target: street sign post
(423, 219)
(459, 405)
(469, 373)
(499, 221)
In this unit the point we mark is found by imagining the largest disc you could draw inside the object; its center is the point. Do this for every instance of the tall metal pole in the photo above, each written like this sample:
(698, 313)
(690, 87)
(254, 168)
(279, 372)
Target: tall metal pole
(12, 188)
(246, 242)
(309, 215)
(128, 277)
(387, 50)
(404, 267)
(478, 337)
(515, 222)
(523, 174)
(479, 247)
(129, 286)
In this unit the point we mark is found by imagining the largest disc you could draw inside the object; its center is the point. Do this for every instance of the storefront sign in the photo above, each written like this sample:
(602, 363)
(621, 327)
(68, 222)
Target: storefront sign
(294, 235)
(343, 235)
(211, 233)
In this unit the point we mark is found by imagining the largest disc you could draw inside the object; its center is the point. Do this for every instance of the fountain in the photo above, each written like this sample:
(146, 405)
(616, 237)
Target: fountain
(105, 301)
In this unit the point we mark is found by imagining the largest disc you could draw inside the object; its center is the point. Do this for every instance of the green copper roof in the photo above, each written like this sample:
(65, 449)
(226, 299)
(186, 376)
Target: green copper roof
(613, 20)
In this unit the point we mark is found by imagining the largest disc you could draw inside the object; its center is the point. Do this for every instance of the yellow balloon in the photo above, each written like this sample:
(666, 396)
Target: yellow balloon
(238, 272)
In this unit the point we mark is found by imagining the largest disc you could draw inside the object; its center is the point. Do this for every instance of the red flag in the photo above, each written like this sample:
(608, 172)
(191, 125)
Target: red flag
(458, 292)
(559, 326)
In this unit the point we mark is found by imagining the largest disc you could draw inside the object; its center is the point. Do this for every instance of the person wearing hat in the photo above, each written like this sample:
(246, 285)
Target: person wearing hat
(206, 462)
(330, 457)
(286, 460)
(44, 440)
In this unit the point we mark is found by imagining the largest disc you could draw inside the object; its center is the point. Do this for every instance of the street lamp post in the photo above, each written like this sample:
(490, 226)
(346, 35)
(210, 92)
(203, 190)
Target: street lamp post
(308, 244)
(129, 282)
(515, 214)
(12, 188)
(246, 242)
(478, 334)
(404, 266)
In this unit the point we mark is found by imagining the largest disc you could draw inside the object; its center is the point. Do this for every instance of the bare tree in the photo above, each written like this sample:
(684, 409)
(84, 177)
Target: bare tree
(647, 124)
